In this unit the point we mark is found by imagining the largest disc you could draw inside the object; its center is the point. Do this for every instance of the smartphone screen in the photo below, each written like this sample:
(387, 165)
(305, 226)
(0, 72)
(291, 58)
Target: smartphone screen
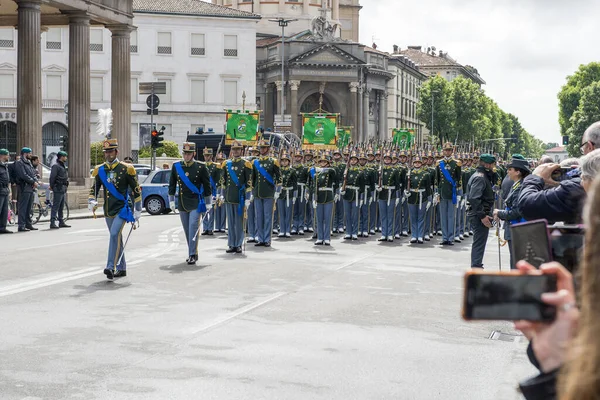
(567, 245)
(531, 242)
(508, 296)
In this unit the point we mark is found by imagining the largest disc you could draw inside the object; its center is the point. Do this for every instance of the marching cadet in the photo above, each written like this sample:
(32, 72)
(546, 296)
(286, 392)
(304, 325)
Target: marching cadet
(323, 184)
(389, 183)
(352, 191)
(401, 225)
(429, 165)
(287, 200)
(236, 181)
(481, 205)
(448, 176)
(308, 212)
(195, 196)
(252, 226)
(374, 171)
(419, 192)
(218, 207)
(266, 180)
(300, 206)
(117, 179)
(4, 192)
(363, 227)
(338, 218)
(208, 225)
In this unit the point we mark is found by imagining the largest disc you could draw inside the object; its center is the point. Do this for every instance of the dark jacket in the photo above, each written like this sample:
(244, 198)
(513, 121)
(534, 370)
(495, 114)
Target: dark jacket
(26, 174)
(541, 387)
(480, 194)
(562, 203)
(59, 180)
(511, 214)
(4, 179)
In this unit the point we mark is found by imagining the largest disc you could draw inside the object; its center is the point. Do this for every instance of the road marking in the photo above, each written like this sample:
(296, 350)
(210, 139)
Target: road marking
(59, 244)
(350, 263)
(87, 231)
(235, 314)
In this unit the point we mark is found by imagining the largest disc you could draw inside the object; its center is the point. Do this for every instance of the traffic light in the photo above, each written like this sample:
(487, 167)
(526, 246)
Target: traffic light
(157, 138)
(64, 143)
(565, 140)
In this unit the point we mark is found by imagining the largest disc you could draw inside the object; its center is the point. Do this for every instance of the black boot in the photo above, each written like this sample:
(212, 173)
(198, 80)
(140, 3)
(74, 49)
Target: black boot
(31, 228)
(63, 225)
(109, 273)
(231, 250)
(53, 225)
(120, 274)
(192, 260)
(5, 231)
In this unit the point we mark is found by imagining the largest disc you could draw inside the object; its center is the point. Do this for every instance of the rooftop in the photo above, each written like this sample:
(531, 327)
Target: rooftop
(189, 7)
(559, 149)
(433, 58)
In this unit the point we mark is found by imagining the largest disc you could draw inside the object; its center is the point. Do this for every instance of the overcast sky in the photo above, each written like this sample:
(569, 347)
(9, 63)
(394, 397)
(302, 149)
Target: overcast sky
(523, 49)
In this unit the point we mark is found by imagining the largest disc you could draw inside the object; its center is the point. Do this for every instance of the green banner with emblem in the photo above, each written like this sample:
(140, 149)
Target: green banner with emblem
(319, 131)
(344, 136)
(403, 138)
(242, 126)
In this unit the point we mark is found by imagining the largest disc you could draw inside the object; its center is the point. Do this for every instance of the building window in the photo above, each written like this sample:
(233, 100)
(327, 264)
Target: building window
(96, 40)
(198, 46)
(230, 93)
(97, 89)
(230, 46)
(134, 90)
(165, 98)
(53, 87)
(197, 91)
(54, 39)
(164, 43)
(7, 38)
(7, 86)
(133, 42)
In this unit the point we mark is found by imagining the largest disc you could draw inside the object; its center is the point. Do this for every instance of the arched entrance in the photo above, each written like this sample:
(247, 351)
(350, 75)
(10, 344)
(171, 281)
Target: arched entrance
(311, 104)
(52, 133)
(8, 137)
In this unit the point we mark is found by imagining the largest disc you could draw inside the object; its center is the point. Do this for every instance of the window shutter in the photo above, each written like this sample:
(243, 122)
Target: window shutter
(7, 86)
(53, 87)
(197, 88)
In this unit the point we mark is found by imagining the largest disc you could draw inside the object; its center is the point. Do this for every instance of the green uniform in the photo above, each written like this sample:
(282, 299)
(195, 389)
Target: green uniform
(390, 183)
(420, 186)
(325, 183)
(124, 178)
(453, 166)
(262, 188)
(355, 184)
(243, 170)
(289, 183)
(198, 174)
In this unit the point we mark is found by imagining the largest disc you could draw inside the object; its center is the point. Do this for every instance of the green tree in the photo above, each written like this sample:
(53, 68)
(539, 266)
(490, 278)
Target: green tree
(465, 95)
(587, 112)
(171, 149)
(550, 145)
(571, 93)
(444, 114)
(96, 154)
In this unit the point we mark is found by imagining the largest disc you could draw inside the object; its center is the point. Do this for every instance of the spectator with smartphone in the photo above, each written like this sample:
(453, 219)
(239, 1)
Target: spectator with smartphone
(518, 169)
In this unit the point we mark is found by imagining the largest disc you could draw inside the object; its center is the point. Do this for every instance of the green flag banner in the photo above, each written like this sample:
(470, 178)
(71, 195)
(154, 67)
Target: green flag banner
(242, 126)
(343, 137)
(319, 131)
(403, 138)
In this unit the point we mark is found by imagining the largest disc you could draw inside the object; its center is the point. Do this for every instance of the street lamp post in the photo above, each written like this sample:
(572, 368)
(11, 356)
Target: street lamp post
(282, 23)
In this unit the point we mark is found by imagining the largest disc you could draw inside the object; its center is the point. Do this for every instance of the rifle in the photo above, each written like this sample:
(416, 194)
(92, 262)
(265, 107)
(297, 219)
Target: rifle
(347, 168)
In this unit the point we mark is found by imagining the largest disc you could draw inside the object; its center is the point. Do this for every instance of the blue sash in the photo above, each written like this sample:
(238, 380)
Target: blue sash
(312, 172)
(194, 189)
(449, 179)
(242, 194)
(126, 213)
(264, 172)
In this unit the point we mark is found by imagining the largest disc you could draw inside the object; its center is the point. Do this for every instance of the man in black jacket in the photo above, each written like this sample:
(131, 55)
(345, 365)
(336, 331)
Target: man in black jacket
(59, 182)
(4, 185)
(28, 183)
(481, 204)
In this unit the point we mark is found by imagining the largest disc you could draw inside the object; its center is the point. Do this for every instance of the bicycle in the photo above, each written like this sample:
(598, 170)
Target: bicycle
(12, 212)
(40, 209)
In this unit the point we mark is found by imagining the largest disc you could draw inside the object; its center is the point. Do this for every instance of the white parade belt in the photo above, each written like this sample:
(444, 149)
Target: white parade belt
(352, 187)
(389, 187)
(325, 189)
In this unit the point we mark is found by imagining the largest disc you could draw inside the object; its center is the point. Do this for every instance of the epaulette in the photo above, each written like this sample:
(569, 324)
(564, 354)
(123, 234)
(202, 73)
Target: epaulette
(130, 170)
(459, 163)
(224, 164)
(276, 162)
(95, 171)
(248, 164)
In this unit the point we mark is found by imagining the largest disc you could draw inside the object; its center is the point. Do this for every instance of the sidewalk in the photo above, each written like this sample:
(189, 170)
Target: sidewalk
(82, 213)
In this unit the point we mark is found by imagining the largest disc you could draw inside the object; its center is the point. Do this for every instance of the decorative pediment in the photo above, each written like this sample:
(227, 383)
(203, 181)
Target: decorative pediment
(54, 68)
(327, 54)
(7, 67)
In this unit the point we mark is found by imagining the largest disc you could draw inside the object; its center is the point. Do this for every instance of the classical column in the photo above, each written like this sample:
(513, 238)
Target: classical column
(359, 115)
(280, 86)
(256, 6)
(29, 77)
(353, 115)
(294, 85)
(281, 6)
(366, 98)
(120, 95)
(335, 10)
(383, 95)
(79, 98)
(268, 106)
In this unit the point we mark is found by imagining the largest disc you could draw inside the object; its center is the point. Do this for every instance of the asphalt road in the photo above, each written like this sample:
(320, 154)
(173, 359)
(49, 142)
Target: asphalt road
(359, 320)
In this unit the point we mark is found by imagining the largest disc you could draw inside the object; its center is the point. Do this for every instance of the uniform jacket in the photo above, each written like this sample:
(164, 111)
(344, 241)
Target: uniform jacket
(420, 182)
(370, 177)
(124, 178)
(402, 173)
(301, 179)
(355, 184)
(289, 186)
(444, 187)
(323, 183)
(390, 182)
(562, 203)
(26, 174)
(243, 170)
(480, 194)
(214, 173)
(262, 188)
(4, 179)
(340, 168)
(59, 179)
(198, 174)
